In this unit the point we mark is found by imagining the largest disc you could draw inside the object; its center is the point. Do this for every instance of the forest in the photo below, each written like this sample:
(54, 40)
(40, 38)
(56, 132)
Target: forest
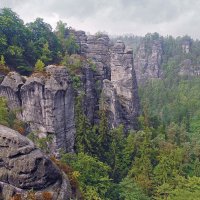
(160, 160)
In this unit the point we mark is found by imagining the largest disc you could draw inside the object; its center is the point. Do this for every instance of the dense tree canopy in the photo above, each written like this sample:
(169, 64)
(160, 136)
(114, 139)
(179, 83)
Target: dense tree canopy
(161, 160)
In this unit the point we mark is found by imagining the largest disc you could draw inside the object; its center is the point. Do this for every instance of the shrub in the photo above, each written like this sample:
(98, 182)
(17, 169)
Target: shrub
(72, 175)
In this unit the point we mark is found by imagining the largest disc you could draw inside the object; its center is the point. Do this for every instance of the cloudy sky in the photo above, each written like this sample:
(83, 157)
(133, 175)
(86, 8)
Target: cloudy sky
(167, 17)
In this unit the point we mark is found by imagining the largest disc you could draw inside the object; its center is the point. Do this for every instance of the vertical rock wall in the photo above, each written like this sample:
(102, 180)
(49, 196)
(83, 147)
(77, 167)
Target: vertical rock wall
(120, 93)
(47, 100)
(47, 104)
(147, 62)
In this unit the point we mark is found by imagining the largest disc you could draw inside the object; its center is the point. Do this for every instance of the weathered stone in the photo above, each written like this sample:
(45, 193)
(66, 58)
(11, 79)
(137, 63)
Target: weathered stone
(186, 46)
(123, 105)
(46, 103)
(23, 167)
(110, 104)
(81, 40)
(148, 65)
(48, 106)
(98, 52)
(10, 88)
(188, 69)
(47, 100)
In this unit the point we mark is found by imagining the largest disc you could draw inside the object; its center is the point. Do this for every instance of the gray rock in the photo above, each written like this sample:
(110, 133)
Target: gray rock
(24, 167)
(186, 46)
(121, 92)
(188, 69)
(47, 100)
(111, 104)
(148, 64)
(46, 103)
(10, 87)
(48, 106)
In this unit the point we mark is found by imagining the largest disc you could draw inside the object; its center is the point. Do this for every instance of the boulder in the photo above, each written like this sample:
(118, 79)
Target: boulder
(23, 167)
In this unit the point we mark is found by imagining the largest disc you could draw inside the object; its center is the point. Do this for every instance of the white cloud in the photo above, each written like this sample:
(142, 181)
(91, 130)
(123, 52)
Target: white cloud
(176, 17)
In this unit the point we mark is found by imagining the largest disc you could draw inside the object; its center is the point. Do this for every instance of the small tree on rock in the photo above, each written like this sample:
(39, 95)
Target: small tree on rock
(39, 66)
(3, 67)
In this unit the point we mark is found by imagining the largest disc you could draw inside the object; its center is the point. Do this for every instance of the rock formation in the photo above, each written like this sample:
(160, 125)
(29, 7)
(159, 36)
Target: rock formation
(10, 89)
(47, 100)
(147, 62)
(120, 95)
(186, 46)
(188, 69)
(46, 104)
(23, 167)
(114, 76)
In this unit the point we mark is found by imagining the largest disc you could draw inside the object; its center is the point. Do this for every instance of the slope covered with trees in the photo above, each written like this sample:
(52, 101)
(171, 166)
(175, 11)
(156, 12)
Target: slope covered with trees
(160, 160)
(22, 45)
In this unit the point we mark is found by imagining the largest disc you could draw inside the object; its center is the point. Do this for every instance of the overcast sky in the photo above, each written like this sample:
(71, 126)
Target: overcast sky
(138, 17)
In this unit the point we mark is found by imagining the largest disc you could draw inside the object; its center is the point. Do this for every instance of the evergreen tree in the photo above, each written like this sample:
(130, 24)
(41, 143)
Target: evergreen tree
(39, 66)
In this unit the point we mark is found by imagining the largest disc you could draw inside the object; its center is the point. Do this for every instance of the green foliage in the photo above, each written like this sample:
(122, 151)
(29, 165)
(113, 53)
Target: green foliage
(116, 157)
(100, 34)
(76, 81)
(9, 117)
(3, 67)
(23, 45)
(159, 161)
(84, 132)
(130, 191)
(62, 32)
(14, 36)
(2, 61)
(94, 175)
(92, 65)
(39, 66)
(71, 45)
(3, 112)
(44, 44)
(42, 143)
(46, 53)
(185, 188)
(142, 168)
(171, 101)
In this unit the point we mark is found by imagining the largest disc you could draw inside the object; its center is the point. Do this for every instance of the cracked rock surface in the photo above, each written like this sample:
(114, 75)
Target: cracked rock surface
(23, 167)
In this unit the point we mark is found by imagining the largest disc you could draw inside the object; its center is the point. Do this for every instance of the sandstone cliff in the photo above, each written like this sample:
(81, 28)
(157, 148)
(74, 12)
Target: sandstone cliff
(120, 95)
(148, 60)
(23, 167)
(46, 101)
(113, 86)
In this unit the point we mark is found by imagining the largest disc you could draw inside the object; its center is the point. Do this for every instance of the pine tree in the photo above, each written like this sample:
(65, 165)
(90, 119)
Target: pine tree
(39, 66)
(84, 137)
(2, 61)
(46, 53)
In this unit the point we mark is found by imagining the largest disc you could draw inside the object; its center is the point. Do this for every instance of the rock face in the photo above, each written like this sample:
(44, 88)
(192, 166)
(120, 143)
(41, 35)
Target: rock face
(147, 62)
(186, 46)
(23, 167)
(46, 102)
(10, 89)
(188, 69)
(113, 81)
(120, 93)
